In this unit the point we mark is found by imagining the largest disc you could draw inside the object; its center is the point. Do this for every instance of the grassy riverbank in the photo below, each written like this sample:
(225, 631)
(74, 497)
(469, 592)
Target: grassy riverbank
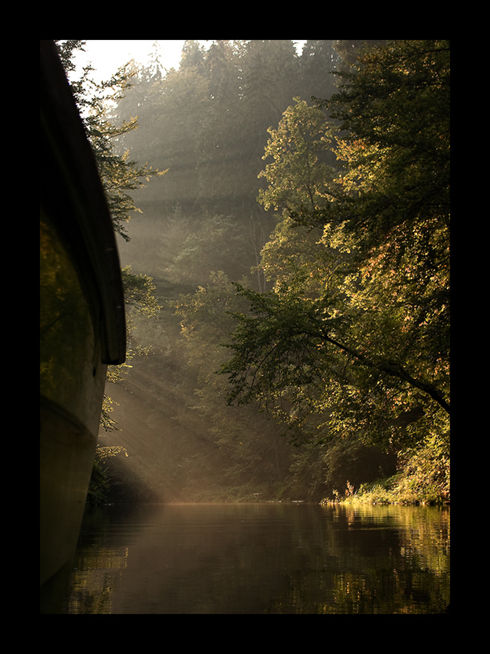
(423, 478)
(398, 489)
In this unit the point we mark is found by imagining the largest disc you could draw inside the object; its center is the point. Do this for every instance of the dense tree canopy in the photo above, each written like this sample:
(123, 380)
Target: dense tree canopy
(357, 325)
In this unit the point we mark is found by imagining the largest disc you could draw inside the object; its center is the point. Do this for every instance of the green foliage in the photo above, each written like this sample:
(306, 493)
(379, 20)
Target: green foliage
(350, 463)
(191, 249)
(275, 347)
(423, 477)
(394, 110)
(357, 326)
(100, 479)
(99, 485)
(297, 177)
(256, 457)
(205, 316)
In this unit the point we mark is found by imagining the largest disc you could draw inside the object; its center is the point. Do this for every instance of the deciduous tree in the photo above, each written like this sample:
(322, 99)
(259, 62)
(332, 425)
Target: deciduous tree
(367, 343)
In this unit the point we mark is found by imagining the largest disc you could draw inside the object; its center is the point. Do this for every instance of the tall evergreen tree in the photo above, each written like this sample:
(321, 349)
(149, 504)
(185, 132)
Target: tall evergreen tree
(318, 60)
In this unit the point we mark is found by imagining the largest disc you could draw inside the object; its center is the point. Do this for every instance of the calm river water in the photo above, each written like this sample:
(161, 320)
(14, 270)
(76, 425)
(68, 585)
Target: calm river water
(261, 558)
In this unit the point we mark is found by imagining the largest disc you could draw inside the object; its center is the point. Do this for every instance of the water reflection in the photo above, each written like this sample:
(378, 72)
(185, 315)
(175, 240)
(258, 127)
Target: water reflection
(262, 558)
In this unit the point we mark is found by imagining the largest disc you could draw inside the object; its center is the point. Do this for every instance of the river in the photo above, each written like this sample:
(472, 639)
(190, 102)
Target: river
(260, 559)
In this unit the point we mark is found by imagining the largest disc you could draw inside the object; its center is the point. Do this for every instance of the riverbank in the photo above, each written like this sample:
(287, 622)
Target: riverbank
(398, 489)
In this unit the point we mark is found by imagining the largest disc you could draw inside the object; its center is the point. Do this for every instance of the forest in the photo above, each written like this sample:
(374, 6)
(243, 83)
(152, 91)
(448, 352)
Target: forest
(283, 229)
